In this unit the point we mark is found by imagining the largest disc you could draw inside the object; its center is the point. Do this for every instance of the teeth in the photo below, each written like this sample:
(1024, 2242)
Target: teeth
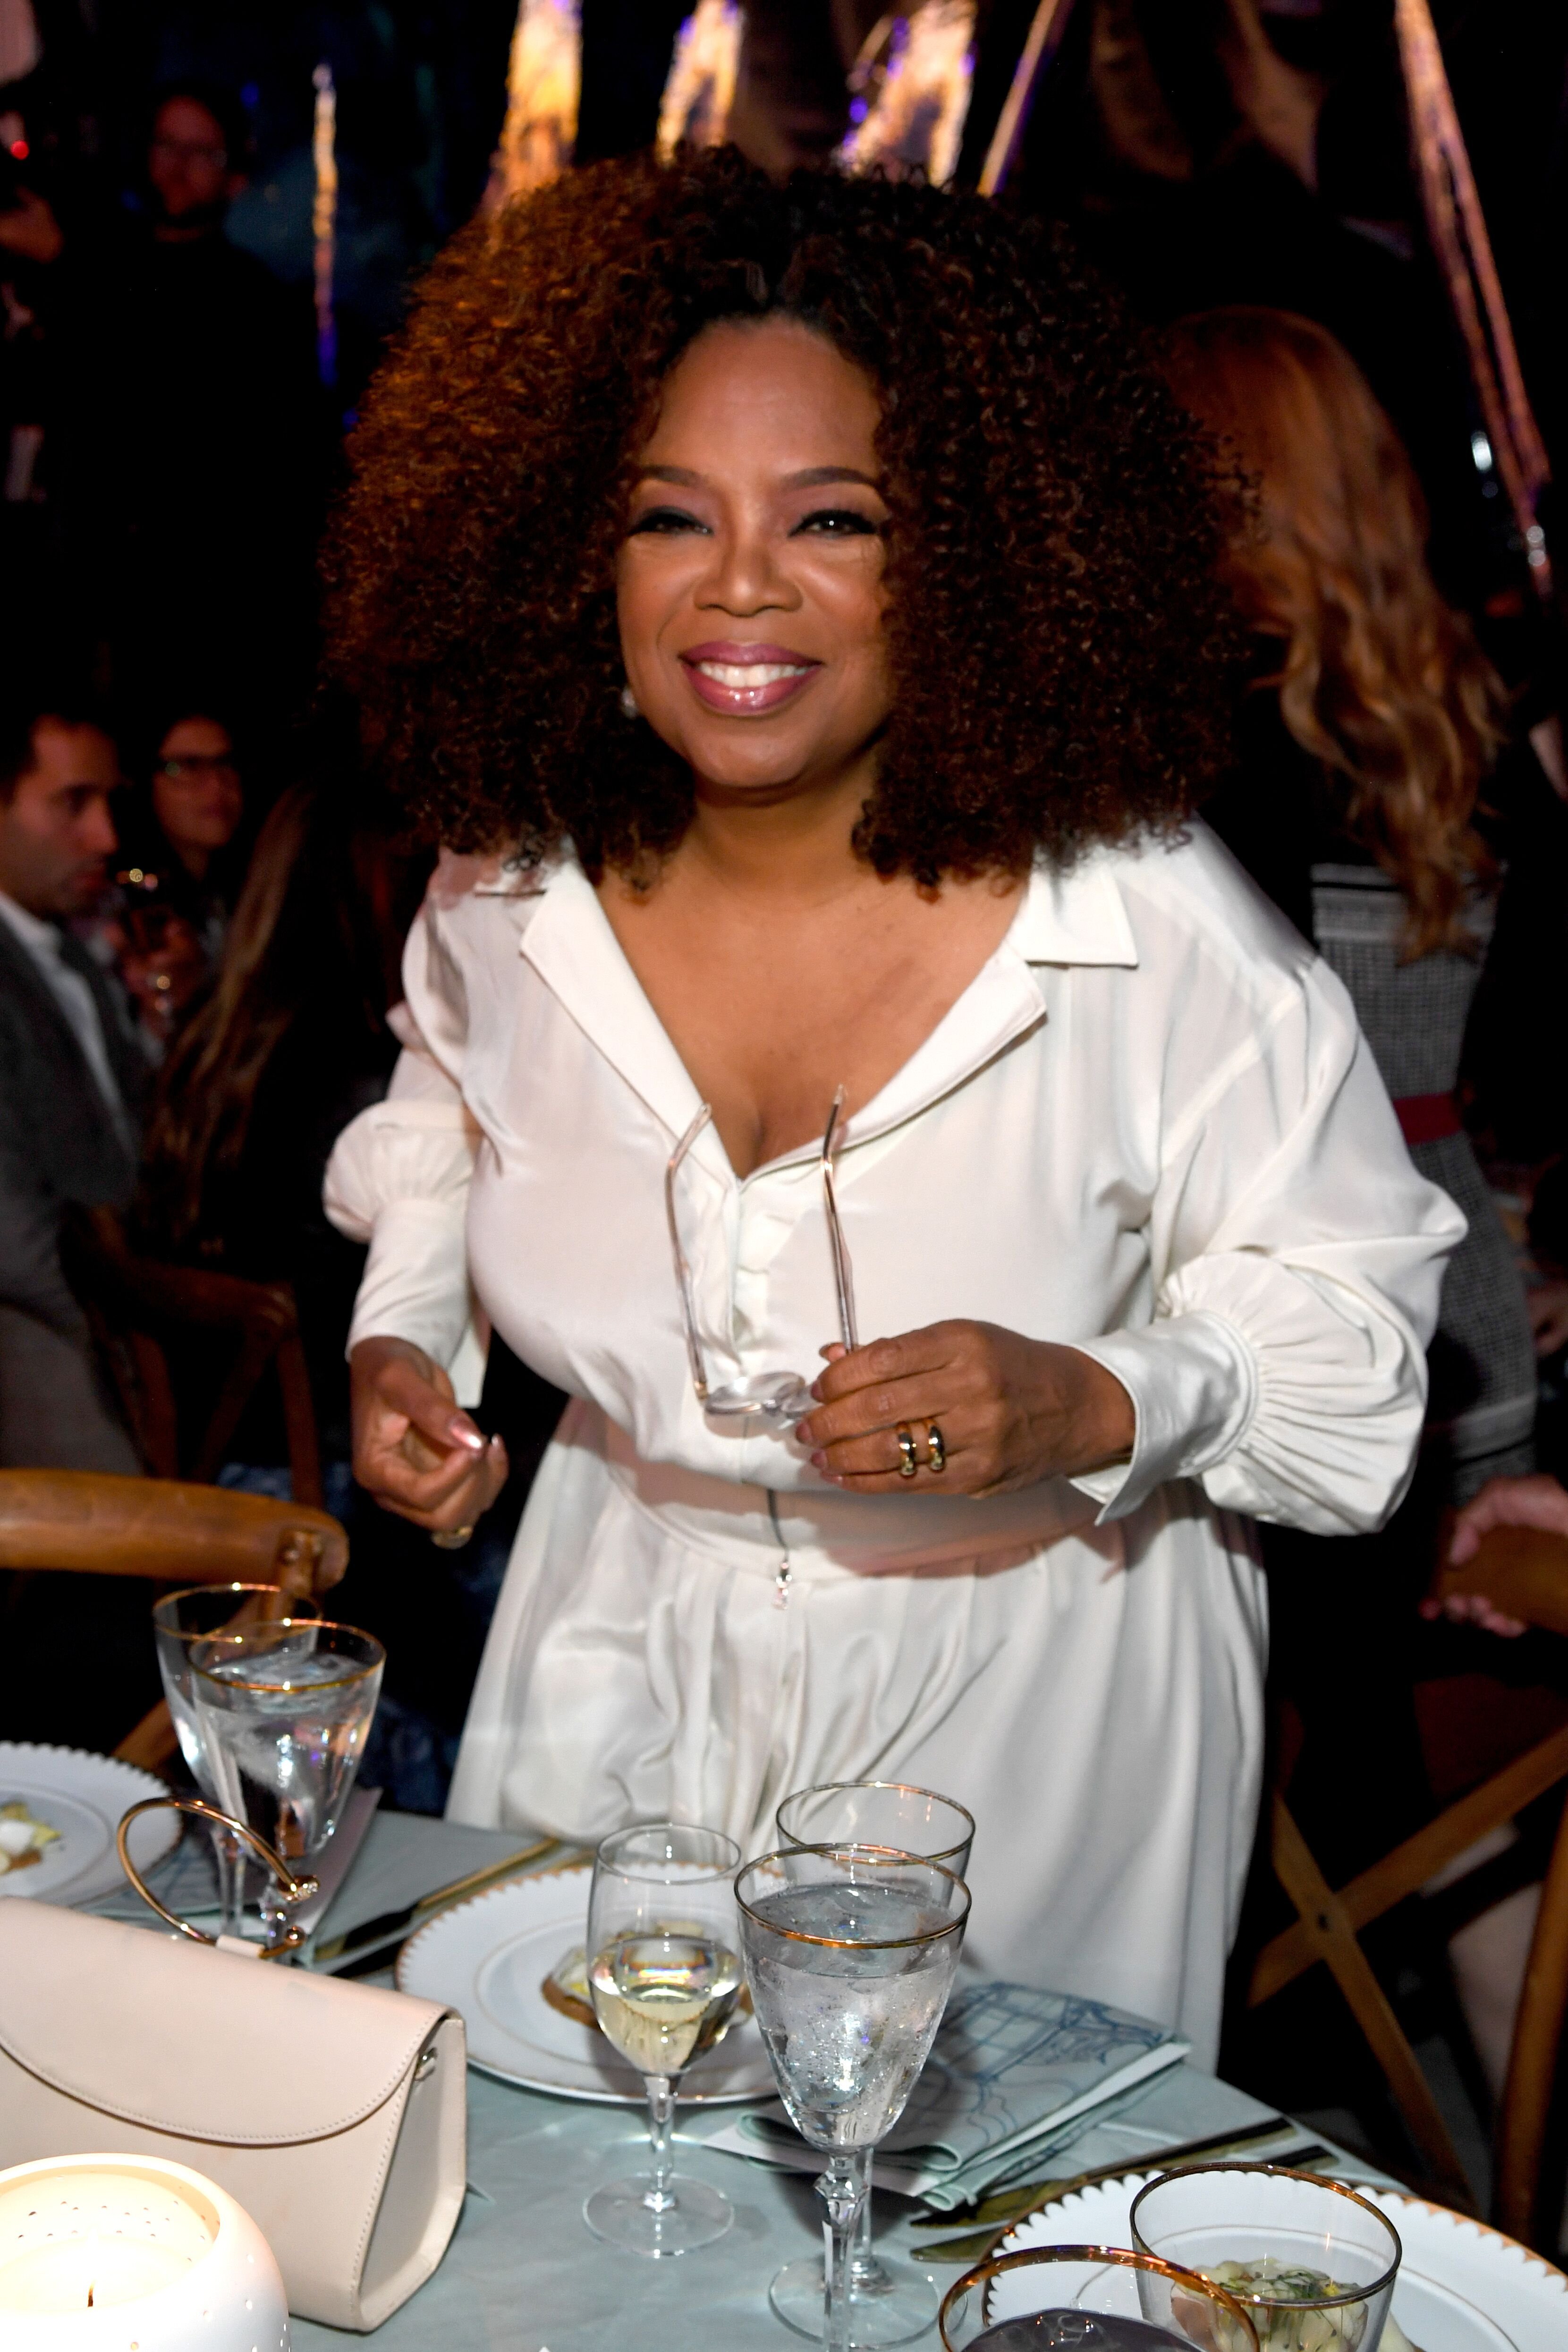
(751, 674)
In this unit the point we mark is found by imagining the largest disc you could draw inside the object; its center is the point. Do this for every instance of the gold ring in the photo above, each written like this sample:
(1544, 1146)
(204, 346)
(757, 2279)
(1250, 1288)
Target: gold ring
(935, 1450)
(908, 1453)
(450, 1539)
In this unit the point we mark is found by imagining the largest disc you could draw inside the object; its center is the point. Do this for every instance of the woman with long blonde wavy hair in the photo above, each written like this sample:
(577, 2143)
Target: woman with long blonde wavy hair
(1373, 722)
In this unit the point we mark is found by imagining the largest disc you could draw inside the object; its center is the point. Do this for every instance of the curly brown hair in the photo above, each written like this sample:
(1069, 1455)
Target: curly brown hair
(1060, 650)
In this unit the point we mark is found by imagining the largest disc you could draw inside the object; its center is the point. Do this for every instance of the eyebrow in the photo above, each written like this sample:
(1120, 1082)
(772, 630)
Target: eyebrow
(813, 476)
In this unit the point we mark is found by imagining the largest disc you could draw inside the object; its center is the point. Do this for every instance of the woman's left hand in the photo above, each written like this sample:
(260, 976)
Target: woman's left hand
(1011, 1411)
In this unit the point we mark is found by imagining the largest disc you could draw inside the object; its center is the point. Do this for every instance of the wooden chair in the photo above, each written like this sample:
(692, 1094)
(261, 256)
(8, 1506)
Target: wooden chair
(172, 1532)
(135, 1304)
(1526, 1574)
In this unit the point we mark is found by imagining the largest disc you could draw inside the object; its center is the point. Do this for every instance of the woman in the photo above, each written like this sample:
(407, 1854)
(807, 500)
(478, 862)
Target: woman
(291, 1044)
(180, 834)
(179, 873)
(795, 608)
(1374, 721)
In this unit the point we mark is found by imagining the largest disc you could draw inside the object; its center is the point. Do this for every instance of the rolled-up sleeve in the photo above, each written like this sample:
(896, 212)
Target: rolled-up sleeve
(398, 1179)
(1299, 1261)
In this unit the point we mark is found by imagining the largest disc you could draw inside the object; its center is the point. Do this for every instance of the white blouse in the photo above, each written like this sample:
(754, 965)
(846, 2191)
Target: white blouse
(1149, 1129)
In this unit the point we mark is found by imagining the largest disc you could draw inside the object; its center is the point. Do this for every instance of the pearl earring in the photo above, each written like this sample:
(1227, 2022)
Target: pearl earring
(628, 702)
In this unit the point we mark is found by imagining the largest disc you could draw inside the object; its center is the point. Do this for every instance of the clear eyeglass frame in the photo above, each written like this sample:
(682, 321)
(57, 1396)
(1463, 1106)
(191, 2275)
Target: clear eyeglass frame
(772, 1399)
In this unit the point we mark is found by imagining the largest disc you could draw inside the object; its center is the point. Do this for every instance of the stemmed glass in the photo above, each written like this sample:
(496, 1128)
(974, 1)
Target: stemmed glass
(664, 1975)
(283, 1712)
(889, 2303)
(179, 1621)
(851, 1953)
(783, 1398)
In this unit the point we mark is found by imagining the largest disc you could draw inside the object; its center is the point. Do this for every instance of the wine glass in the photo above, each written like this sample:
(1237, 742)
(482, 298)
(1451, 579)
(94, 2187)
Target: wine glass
(1313, 2262)
(777, 1398)
(851, 1953)
(284, 1711)
(197, 1614)
(1091, 2299)
(889, 2303)
(664, 1976)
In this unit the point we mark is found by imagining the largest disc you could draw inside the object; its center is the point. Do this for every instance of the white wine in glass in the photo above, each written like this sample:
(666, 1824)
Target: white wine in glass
(664, 1976)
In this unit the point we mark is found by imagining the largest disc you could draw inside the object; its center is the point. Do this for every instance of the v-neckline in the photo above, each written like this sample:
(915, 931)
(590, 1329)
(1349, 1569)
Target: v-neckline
(571, 944)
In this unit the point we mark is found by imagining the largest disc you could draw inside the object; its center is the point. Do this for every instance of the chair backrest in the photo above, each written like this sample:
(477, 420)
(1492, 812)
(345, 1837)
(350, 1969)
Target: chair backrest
(1525, 1574)
(171, 1531)
(166, 1528)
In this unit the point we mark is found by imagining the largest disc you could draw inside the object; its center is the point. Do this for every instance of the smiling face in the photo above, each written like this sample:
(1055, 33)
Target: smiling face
(749, 585)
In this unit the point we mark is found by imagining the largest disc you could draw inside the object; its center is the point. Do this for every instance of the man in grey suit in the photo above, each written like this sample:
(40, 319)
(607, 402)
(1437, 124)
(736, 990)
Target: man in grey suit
(71, 1082)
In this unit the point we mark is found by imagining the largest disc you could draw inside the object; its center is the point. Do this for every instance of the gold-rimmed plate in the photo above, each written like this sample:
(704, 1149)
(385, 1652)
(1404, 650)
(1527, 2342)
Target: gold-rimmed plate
(1462, 2286)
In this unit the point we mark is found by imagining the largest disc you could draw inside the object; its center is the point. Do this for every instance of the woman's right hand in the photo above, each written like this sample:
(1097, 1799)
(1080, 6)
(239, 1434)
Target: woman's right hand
(415, 1449)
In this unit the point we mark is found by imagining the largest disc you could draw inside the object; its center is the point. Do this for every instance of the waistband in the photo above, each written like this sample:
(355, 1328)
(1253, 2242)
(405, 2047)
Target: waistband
(828, 1534)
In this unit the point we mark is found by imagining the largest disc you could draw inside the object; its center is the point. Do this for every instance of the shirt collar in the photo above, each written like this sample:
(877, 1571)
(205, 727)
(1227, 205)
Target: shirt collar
(41, 937)
(1076, 918)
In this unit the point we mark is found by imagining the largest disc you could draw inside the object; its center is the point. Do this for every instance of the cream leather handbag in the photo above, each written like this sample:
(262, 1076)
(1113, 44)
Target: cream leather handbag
(335, 2114)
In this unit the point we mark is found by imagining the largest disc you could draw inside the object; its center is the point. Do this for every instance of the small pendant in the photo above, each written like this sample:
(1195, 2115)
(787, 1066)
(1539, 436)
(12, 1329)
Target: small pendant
(782, 1584)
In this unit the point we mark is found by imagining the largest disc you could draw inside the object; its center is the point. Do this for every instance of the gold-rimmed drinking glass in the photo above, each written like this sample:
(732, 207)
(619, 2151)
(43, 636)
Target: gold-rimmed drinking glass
(198, 1613)
(283, 1712)
(664, 1976)
(890, 2302)
(1314, 2264)
(775, 1399)
(1091, 2299)
(851, 1953)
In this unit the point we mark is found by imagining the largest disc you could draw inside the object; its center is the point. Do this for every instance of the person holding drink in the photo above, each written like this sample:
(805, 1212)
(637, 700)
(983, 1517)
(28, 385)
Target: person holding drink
(794, 608)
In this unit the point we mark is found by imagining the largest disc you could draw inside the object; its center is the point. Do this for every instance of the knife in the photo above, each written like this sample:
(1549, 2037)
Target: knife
(394, 1924)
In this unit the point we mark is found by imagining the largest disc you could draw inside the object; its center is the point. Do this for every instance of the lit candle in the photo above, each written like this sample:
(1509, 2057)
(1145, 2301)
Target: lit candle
(124, 2254)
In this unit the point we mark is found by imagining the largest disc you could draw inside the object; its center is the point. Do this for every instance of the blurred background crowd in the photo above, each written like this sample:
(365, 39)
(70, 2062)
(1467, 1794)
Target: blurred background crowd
(203, 901)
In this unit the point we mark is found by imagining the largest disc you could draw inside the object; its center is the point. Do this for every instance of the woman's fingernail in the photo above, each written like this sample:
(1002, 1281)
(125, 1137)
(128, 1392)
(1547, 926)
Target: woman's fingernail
(463, 1433)
(819, 1461)
(817, 1390)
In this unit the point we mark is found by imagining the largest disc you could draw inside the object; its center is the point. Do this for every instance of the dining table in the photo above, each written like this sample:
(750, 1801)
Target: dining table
(523, 2272)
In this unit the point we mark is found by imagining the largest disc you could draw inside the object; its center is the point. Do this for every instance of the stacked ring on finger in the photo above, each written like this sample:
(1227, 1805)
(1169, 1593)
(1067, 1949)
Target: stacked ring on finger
(908, 1452)
(936, 1449)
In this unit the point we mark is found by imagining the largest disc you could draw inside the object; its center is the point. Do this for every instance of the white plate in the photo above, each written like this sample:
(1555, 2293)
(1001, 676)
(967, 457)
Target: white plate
(83, 1797)
(1462, 2287)
(487, 1958)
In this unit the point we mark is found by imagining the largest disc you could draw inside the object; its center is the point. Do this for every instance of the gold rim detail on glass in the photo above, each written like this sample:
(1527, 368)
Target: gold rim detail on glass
(880, 1857)
(1120, 2257)
(1284, 2172)
(898, 1788)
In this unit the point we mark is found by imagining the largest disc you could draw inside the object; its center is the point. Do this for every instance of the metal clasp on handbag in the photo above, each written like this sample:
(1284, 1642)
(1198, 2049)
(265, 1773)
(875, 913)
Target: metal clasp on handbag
(287, 1937)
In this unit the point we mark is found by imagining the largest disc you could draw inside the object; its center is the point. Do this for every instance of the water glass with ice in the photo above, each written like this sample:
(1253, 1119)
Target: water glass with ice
(851, 1953)
(283, 1712)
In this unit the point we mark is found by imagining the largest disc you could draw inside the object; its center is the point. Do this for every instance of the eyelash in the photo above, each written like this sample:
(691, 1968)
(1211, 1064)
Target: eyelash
(663, 522)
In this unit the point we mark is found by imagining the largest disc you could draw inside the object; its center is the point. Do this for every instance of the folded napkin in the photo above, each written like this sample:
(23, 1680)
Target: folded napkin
(1014, 2073)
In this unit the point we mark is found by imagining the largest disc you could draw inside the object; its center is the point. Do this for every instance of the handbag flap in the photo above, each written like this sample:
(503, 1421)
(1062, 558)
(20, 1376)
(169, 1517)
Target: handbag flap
(159, 2030)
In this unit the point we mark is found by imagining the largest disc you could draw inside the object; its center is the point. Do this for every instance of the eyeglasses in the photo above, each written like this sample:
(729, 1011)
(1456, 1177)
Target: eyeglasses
(781, 1398)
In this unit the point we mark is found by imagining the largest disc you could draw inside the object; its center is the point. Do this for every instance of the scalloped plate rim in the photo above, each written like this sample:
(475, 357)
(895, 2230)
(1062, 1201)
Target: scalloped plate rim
(1538, 2277)
(158, 1840)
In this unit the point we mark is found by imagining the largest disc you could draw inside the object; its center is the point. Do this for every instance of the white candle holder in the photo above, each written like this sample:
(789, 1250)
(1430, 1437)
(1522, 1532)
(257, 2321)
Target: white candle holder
(129, 2253)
